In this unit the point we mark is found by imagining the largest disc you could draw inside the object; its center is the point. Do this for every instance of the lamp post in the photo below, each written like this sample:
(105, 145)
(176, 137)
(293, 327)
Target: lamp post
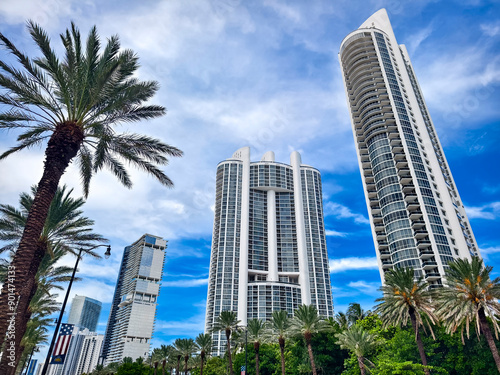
(56, 331)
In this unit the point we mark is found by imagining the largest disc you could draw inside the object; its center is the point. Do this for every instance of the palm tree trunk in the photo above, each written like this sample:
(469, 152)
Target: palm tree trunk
(63, 146)
(418, 339)
(282, 352)
(361, 365)
(228, 336)
(8, 365)
(489, 337)
(308, 336)
(202, 360)
(177, 369)
(256, 346)
(186, 365)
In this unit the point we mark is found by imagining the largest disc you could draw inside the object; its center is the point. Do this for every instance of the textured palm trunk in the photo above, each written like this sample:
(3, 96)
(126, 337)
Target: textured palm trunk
(418, 339)
(178, 365)
(202, 355)
(8, 365)
(256, 347)
(228, 336)
(186, 358)
(282, 352)
(61, 148)
(489, 337)
(361, 365)
(308, 337)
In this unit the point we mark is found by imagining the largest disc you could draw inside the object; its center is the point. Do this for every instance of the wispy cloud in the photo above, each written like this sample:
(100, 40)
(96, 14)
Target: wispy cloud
(191, 326)
(365, 287)
(343, 212)
(490, 29)
(352, 263)
(186, 283)
(490, 211)
(418, 38)
(334, 233)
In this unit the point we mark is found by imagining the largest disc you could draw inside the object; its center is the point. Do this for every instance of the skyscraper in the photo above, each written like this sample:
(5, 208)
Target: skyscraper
(416, 215)
(84, 312)
(268, 246)
(133, 310)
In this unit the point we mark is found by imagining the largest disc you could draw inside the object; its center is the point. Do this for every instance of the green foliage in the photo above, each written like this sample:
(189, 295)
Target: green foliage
(215, 366)
(402, 368)
(269, 360)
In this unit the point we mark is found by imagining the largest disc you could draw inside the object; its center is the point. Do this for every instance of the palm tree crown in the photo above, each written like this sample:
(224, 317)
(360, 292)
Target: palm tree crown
(227, 321)
(358, 341)
(278, 327)
(470, 296)
(204, 342)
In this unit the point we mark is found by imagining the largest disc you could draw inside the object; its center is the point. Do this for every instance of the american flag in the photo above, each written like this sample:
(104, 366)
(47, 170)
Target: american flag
(62, 344)
(243, 370)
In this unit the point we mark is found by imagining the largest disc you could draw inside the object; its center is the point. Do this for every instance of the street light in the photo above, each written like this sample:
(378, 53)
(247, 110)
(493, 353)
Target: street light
(107, 254)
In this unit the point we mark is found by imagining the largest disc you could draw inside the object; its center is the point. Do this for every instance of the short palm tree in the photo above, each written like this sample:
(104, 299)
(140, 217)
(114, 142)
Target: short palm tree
(204, 342)
(278, 327)
(470, 296)
(406, 298)
(162, 355)
(185, 348)
(74, 104)
(358, 341)
(256, 333)
(227, 321)
(65, 229)
(306, 322)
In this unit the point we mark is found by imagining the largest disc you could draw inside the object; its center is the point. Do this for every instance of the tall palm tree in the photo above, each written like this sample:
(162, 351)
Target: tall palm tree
(74, 104)
(470, 297)
(358, 341)
(227, 321)
(306, 322)
(65, 229)
(407, 298)
(204, 342)
(278, 327)
(256, 333)
(185, 348)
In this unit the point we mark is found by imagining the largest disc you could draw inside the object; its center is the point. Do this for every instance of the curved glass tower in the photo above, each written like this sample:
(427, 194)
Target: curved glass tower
(416, 215)
(268, 245)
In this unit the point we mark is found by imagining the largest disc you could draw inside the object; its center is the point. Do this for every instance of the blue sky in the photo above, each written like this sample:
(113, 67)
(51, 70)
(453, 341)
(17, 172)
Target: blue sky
(265, 74)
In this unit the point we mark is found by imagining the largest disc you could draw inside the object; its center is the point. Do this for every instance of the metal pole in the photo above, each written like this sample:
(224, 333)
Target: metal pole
(246, 354)
(47, 360)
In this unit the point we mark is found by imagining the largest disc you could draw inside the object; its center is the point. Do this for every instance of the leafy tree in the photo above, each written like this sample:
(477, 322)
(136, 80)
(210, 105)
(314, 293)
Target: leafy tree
(405, 368)
(471, 296)
(406, 298)
(306, 322)
(227, 321)
(215, 366)
(204, 342)
(65, 228)
(269, 362)
(359, 342)
(278, 328)
(74, 105)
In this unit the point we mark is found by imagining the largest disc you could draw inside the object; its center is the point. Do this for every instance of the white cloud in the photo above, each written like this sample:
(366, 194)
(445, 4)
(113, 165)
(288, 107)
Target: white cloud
(352, 263)
(364, 287)
(191, 326)
(417, 39)
(490, 211)
(186, 283)
(334, 233)
(342, 212)
(490, 29)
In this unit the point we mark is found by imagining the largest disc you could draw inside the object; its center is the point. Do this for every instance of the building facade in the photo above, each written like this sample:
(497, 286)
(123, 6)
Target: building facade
(416, 215)
(133, 310)
(84, 312)
(268, 246)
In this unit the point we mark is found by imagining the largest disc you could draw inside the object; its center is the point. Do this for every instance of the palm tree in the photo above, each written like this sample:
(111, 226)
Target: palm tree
(471, 296)
(185, 348)
(358, 341)
(342, 320)
(74, 104)
(306, 322)
(406, 298)
(204, 342)
(227, 321)
(355, 312)
(256, 333)
(278, 326)
(163, 354)
(65, 228)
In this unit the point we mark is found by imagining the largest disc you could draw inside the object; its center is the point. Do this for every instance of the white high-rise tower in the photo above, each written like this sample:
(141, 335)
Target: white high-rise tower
(268, 246)
(416, 215)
